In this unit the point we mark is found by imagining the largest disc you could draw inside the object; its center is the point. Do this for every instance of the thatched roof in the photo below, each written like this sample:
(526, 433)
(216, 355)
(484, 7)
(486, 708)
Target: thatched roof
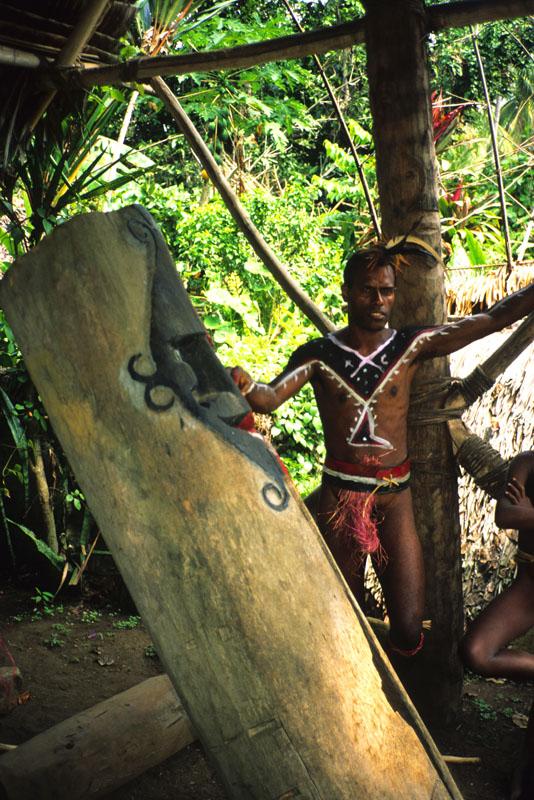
(473, 289)
(38, 33)
(43, 27)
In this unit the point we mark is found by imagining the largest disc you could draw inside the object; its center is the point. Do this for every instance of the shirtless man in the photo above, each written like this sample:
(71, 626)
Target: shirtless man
(485, 646)
(361, 377)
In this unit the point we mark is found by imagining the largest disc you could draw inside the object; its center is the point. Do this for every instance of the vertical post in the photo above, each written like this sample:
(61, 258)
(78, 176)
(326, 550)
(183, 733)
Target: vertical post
(406, 172)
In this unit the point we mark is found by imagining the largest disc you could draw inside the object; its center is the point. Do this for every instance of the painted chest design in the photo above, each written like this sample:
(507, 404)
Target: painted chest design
(363, 377)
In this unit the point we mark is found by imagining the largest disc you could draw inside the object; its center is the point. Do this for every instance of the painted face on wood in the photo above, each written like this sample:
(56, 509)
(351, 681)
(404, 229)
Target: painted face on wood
(370, 297)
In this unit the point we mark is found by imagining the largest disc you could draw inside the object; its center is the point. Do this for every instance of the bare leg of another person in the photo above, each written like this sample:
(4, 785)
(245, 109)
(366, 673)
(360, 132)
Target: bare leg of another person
(484, 647)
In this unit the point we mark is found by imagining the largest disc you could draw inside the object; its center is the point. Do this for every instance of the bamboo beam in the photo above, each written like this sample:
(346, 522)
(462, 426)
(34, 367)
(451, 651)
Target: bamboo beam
(476, 456)
(82, 32)
(296, 45)
(19, 58)
(244, 223)
(462, 13)
(299, 45)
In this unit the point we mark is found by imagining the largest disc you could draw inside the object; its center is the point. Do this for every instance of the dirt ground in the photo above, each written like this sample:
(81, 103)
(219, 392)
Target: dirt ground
(91, 648)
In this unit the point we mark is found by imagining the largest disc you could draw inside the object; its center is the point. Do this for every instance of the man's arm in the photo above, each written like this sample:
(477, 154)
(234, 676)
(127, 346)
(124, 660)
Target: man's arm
(449, 338)
(515, 509)
(266, 397)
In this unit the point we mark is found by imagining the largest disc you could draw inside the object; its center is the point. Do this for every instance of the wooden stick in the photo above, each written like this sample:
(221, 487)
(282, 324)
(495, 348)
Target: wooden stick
(295, 45)
(338, 37)
(496, 157)
(462, 759)
(498, 361)
(344, 127)
(494, 365)
(244, 223)
(461, 14)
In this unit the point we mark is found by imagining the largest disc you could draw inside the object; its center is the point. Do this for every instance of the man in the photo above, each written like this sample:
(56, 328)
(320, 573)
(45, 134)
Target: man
(485, 647)
(361, 377)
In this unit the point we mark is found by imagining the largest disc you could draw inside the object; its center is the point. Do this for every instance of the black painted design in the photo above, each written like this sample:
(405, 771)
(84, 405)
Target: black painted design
(187, 365)
(151, 382)
(364, 376)
(274, 497)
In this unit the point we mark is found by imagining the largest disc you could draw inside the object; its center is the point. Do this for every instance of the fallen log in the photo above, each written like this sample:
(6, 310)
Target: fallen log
(100, 749)
(276, 666)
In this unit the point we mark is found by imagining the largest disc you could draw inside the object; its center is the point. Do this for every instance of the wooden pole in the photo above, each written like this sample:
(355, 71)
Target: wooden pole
(406, 173)
(99, 749)
(440, 17)
(275, 664)
(238, 212)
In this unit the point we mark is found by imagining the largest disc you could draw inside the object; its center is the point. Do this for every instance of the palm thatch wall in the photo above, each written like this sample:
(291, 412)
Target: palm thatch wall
(504, 418)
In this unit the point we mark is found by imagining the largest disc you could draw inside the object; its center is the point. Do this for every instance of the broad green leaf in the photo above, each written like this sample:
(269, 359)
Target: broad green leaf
(57, 560)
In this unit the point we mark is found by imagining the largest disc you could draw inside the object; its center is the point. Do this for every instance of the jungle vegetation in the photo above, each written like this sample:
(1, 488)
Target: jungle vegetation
(275, 136)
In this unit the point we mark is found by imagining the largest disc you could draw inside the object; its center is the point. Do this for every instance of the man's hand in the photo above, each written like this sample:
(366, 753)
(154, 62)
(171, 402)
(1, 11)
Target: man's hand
(242, 380)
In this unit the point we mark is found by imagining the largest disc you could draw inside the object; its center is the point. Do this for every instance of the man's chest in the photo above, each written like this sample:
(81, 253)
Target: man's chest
(361, 393)
(341, 371)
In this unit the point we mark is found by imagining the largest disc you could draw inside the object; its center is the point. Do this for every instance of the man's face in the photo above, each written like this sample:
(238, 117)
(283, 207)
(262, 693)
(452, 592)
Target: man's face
(370, 297)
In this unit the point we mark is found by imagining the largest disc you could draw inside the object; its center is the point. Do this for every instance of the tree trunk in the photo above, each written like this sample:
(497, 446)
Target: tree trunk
(43, 493)
(101, 748)
(406, 172)
(274, 662)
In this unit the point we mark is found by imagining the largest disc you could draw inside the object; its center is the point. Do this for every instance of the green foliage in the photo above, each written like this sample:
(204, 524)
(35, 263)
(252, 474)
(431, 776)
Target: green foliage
(44, 603)
(127, 624)
(54, 172)
(298, 437)
(53, 641)
(504, 48)
(272, 129)
(90, 616)
(485, 711)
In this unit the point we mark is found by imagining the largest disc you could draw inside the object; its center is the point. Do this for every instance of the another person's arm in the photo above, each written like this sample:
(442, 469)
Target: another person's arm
(514, 509)
(449, 338)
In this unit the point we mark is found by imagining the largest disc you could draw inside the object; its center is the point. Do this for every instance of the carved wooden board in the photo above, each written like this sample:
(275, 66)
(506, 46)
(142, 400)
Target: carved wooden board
(277, 668)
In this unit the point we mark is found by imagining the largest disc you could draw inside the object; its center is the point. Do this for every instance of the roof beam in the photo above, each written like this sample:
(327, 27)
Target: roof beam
(339, 37)
(472, 12)
(89, 18)
(19, 58)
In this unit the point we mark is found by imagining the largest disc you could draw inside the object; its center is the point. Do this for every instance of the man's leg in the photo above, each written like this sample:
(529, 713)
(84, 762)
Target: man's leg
(350, 562)
(403, 577)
